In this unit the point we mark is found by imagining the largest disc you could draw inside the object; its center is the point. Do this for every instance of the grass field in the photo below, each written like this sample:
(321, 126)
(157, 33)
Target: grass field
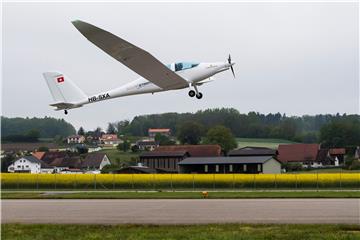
(261, 142)
(178, 195)
(200, 232)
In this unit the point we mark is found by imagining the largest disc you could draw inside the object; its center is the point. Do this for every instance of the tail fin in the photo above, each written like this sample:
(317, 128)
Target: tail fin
(62, 89)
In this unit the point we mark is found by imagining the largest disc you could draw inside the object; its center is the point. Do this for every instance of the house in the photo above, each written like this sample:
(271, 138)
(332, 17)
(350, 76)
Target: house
(331, 157)
(163, 131)
(29, 164)
(253, 151)
(357, 153)
(147, 145)
(75, 139)
(304, 154)
(92, 161)
(110, 140)
(238, 164)
(95, 161)
(168, 157)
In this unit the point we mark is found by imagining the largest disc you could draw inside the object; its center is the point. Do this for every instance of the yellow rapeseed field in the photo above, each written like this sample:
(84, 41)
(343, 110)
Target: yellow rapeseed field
(179, 181)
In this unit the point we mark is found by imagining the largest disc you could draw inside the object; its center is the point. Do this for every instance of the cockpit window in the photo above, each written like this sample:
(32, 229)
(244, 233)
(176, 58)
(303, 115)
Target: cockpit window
(184, 65)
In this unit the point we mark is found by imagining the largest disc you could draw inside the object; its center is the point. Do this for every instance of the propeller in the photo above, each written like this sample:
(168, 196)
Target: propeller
(231, 66)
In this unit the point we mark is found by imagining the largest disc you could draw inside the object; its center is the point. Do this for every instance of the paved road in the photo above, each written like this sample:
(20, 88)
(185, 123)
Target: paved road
(184, 211)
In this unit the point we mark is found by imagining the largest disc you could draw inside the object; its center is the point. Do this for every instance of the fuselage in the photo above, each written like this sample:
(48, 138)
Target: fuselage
(193, 73)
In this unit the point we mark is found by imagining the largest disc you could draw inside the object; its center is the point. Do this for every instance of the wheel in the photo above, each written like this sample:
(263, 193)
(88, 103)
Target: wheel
(199, 95)
(66, 112)
(191, 93)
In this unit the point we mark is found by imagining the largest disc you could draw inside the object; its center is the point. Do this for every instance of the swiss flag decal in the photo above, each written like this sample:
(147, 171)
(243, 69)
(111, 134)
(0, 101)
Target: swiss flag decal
(60, 79)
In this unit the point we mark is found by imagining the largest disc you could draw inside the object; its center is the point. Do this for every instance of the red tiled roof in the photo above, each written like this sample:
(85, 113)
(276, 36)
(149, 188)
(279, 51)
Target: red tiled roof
(39, 155)
(159, 129)
(109, 137)
(337, 151)
(193, 150)
(297, 152)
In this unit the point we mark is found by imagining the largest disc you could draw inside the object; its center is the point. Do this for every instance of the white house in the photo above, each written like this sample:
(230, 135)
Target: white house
(75, 139)
(110, 140)
(29, 164)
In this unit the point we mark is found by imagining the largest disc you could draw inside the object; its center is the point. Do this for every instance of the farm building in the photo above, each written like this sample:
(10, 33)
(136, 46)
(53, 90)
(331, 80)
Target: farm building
(167, 157)
(253, 151)
(163, 131)
(110, 140)
(239, 164)
(310, 155)
(95, 161)
(140, 169)
(148, 145)
(75, 139)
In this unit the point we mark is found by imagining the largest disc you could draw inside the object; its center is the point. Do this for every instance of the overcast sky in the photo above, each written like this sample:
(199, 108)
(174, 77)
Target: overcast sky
(293, 58)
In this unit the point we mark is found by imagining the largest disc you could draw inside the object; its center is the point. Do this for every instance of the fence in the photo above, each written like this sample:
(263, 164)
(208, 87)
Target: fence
(179, 181)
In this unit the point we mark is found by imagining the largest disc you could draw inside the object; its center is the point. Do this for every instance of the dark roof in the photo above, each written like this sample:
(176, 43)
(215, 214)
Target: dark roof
(297, 152)
(225, 160)
(253, 151)
(71, 162)
(147, 143)
(136, 169)
(165, 154)
(35, 160)
(7, 147)
(93, 160)
(51, 156)
(193, 150)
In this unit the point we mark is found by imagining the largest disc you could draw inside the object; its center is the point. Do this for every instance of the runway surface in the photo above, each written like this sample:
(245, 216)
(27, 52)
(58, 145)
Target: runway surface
(182, 211)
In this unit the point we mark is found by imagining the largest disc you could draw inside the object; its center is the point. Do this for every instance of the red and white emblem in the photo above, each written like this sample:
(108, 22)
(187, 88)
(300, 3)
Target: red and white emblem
(60, 79)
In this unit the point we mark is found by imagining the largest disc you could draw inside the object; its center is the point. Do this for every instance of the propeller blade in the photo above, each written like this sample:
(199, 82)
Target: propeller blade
(232, 70)
(229, 59)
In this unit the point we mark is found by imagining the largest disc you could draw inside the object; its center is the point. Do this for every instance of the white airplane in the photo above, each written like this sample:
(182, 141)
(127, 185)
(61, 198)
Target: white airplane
(155, 76)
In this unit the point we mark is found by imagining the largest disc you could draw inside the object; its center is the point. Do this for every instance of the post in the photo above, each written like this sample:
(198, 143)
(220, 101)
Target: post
(18, 182)
(37, 181)
(296, 181)
(132, 181)
(317, 180)
(55, 180)
(75, 184)
(340, 179)
(214, 181)
(275, 181)
(254, 181)
(171, 182)
(95, 181)
(233, 185)
(113, 181)
(153, 180)
(193, 182)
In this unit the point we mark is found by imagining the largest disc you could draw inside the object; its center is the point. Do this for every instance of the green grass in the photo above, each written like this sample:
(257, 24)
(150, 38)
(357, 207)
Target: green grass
(120, 158)
(261, 142)
(328, 170)
(178, 195)
(200, 232)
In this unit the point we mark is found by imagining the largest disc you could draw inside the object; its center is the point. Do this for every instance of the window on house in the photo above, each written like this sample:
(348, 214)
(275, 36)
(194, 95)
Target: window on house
(206, 168)
(217, 168)
(259, 167)
(244, 167)
(27, 166)
(230, 168)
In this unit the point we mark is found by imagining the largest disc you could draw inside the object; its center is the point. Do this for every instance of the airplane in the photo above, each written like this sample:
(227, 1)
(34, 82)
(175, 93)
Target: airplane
(155, 76)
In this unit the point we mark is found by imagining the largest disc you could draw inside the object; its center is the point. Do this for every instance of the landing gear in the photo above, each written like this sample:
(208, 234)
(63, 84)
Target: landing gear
(199, 95)
(66, 112)
(192, 93)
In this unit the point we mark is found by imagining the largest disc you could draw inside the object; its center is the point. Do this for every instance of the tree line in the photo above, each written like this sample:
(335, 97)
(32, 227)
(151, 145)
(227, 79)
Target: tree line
(29, 129)
(305, 128)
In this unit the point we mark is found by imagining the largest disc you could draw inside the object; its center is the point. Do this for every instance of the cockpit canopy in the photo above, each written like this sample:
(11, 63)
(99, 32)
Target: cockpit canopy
(182, 66)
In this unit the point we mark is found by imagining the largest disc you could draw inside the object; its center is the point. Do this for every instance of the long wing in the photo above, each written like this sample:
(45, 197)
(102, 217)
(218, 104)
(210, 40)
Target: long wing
(135, 58)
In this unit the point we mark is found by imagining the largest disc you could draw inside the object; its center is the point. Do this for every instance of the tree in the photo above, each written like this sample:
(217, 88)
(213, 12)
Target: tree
(340, 133)
(190, 133)
(135, 148)
(124, 146)
(163, 140)
(111, 129)
(33, 135)
(81, 131)
(6, 162)
(221, 135)
(43, 149)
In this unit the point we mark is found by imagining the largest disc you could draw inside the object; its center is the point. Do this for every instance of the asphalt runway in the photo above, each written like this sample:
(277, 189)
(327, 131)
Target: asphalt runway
(182, 211)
